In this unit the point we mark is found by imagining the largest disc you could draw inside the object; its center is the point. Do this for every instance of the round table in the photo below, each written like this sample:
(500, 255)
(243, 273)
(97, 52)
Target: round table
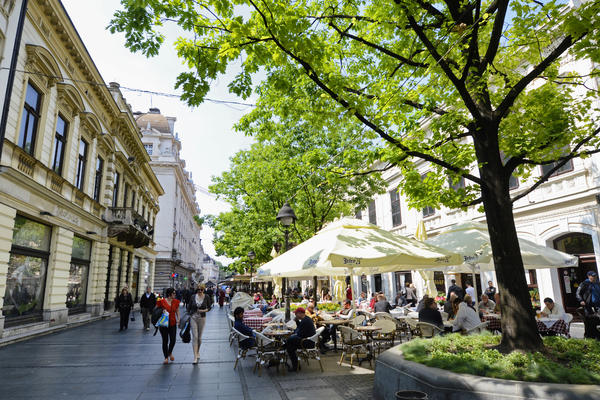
(368, 331)
(278, 333)
(335, 322)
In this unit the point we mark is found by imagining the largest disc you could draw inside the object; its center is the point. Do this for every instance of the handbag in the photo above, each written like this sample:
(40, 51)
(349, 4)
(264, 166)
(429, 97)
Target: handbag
(163, 320)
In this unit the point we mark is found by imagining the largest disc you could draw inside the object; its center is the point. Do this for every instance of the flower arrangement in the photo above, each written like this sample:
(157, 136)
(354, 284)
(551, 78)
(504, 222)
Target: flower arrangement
(440, 298)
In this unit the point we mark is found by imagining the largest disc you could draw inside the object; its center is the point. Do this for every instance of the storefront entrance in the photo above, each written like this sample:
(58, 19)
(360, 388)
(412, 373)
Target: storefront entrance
(78, 275)
(581, 245)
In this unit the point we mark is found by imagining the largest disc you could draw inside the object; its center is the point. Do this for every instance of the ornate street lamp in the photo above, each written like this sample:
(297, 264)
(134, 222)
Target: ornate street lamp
(286, 218)
(251, 256)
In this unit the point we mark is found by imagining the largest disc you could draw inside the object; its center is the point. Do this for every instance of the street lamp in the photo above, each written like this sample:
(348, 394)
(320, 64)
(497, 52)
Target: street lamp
(251, 256)
(286, 218)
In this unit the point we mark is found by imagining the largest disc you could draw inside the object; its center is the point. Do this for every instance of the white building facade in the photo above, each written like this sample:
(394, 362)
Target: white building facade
(179, 251)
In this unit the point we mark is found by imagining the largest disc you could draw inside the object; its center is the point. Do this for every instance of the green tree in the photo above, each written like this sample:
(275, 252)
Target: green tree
(315, 169)
(473, 88)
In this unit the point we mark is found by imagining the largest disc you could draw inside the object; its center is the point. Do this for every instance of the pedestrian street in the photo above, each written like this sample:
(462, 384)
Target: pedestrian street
(96, 361)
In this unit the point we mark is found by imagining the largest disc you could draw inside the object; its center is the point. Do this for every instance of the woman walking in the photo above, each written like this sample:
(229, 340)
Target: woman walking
(197, 308)
(124, 304)
(221, 298)
(171, 305)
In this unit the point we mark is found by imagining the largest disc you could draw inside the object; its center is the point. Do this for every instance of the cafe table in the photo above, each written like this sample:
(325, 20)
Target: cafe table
(493, 321)
(335, 322)
(553, 325)
(368, 330)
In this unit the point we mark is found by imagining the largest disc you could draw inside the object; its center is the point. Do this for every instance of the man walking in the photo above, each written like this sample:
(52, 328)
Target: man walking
(147, 303)
(456, 289)
(588, 295)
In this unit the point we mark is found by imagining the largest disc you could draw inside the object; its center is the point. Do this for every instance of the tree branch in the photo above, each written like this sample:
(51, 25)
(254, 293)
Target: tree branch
(495, 36)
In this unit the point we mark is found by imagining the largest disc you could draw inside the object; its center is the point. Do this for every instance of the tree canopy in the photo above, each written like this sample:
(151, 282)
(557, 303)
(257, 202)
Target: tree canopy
(482, 90)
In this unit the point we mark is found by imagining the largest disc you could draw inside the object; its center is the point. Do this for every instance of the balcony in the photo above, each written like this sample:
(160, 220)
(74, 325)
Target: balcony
(128, 226)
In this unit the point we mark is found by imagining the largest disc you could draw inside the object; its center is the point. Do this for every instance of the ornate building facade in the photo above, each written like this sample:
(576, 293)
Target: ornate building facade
(78, 198)
(179, 251)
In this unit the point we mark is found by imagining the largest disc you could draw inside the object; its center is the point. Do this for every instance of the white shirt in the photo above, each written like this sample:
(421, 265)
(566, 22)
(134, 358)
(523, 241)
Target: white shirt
(471, 292)
(557, 312)
(466, 318)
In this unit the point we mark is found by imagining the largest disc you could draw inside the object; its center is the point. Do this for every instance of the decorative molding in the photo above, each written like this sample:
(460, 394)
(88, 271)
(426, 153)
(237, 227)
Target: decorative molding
(40, 60)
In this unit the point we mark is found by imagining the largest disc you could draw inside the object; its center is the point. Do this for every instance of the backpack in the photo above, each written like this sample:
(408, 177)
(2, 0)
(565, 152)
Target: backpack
(156, 314)
(185, 334)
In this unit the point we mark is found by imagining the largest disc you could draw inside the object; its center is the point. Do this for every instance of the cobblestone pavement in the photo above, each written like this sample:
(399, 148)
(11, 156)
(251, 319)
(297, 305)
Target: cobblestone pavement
(95, 361)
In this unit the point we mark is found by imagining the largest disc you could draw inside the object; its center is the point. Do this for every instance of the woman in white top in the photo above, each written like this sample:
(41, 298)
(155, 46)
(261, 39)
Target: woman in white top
(466, 317)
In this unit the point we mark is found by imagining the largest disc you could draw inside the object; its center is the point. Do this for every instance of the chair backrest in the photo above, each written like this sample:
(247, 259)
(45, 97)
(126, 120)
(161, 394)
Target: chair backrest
(477, 329)
(230, 320)
(568, 318)
(444, 315)
(411, 322)
(384, 315)
(315, 338)
(348, 334)
(427, 329)
(262, 340)
(387, 326)
(359, 319)
(239, 335)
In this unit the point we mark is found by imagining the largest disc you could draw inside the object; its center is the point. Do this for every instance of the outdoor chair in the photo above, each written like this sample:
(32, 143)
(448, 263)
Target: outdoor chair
(307, 353)
(267, 351)
(427, 330)
(444, 315)
(412, 325)
(568, 319)
(242, 352)
(231, 321)
(403, 329)
(384, 315)
(385, 337)
(358, 320)
(352, 343)
(291, 324)
(478, 329)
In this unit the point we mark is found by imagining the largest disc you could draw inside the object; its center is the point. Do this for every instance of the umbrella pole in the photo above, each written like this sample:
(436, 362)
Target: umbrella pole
(352, 292)
(475, 287)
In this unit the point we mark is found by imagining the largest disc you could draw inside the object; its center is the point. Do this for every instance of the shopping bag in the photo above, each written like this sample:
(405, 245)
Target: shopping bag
(185, 335)
(163, 320)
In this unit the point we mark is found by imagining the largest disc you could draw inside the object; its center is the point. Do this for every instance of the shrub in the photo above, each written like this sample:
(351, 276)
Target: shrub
(574, 361)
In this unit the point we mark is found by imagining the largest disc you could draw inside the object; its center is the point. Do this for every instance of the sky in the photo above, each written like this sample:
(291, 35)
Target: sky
(206, 132)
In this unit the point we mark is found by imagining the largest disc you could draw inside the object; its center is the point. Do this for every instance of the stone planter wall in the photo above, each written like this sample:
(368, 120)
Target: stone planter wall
(393, 373)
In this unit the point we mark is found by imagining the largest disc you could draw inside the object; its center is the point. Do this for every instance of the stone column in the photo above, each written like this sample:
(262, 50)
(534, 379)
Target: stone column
(55, 308)
(7, 223)
(124, 283)
(97, 282)
(114, 270)
(152, 266)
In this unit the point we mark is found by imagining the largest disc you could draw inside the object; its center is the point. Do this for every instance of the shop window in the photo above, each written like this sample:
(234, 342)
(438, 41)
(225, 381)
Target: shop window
(60, 142)
(30, 119)
(78, 275)
(81, 164)
(26, 275)
(396, 211)
(372, 213)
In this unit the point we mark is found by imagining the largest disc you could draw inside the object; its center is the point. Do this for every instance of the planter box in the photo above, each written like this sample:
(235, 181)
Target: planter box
(394, 373)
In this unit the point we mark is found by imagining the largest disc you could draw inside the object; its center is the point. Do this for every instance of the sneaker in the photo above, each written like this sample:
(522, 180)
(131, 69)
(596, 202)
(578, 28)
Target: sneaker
(147, 329)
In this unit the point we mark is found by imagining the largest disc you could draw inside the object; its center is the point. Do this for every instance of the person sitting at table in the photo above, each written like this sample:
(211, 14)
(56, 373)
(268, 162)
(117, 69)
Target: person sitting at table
(497, 301)
(345, 311)
(382, 304)
(486, 305)
(373, 300)
(326, 334)
(466, 317)
(421, 303)
(430, 313)
(400, 300)
(363, 298)
(244, 329)
(305, 329)
(305, 300)
(448, 306)
(274, 303)
(552, 309)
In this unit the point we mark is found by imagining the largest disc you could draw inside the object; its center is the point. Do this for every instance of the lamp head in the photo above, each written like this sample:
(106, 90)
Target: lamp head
(251, 255)
(286, 215)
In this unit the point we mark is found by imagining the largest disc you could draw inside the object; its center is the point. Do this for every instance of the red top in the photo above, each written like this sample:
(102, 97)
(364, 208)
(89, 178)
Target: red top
(171, 309)
(349, 293)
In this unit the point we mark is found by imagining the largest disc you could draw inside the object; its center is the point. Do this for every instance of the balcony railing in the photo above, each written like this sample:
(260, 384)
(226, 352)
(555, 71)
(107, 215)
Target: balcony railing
(128, 226)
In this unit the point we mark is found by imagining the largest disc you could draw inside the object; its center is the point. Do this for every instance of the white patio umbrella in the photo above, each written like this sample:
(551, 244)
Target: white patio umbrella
(350, 246)
(472, 241)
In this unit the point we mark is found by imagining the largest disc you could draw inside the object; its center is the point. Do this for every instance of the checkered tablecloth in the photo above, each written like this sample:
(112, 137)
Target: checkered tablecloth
(253, 313)
(256, 322)
(493, 323)
(560, 327)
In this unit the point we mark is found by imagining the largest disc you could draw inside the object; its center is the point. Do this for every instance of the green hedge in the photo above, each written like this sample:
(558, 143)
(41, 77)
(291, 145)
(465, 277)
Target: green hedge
(574, 361)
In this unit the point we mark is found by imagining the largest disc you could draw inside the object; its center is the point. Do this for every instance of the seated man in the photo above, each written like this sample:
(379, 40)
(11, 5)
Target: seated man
(345, 312)
(400, 300)
(430, 313)
(305, 329)
(244, 329)
(362, 298)
(326, 334)
(382, 304)
(552, 309)
(466, 317)
(486, 305)
(448, 309)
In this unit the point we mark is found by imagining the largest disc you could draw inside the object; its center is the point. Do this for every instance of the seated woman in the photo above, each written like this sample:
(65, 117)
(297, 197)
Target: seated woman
(326, 334)
(466, 316)
(274, 303)
(244, 329)
(430, 313)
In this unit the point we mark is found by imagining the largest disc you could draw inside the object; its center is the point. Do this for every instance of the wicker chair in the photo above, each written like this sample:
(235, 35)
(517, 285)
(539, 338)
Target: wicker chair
(428, 330)
(307, 353)
(352, 343)
(268, 350)
(242, 352)
(477, 329)
(357, 321)
(231, 321)
(385, 337)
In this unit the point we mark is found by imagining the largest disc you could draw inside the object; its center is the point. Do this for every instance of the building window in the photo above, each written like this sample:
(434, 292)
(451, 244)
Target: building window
(396, 213)
(513, 182)
(98, 178)
(565, 168)
(26, 276)
(372, 213)
(78, 275)
(133, 200)
(427, 210)
(81, 162)
(60, 141)
(116, 189)
(125, 194)
(31, 117)
(149, 148)
(456, 185)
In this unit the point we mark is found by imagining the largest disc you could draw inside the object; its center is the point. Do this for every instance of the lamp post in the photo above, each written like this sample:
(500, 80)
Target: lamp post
(251, 256)
(286, 218)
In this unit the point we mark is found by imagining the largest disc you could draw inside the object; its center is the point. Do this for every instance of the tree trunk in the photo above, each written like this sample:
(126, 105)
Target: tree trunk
(519, 329)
